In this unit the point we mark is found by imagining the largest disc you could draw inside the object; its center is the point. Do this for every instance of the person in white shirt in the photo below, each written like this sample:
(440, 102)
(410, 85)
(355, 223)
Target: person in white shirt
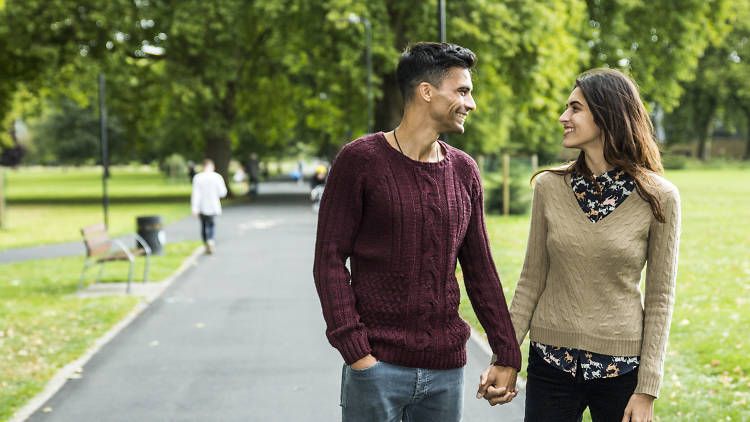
(208, 187)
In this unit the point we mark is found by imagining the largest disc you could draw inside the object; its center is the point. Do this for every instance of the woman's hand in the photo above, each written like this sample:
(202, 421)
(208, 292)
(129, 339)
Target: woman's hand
(640, 408)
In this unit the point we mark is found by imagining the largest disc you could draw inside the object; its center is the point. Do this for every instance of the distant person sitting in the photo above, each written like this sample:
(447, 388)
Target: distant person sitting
(208, 187)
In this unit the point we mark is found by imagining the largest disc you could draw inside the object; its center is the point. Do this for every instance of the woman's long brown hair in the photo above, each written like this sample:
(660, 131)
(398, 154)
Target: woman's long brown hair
(626, 128)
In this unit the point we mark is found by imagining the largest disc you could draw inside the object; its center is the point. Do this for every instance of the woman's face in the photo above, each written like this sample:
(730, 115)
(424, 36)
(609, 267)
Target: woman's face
(578, 122)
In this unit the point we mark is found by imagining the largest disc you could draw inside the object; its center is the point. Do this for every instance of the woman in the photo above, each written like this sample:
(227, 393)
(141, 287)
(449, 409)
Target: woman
(595, 223)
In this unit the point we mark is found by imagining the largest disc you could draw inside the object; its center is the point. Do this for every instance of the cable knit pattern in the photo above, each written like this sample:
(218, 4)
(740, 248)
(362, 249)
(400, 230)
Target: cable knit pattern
(579, 286)
(403, 224)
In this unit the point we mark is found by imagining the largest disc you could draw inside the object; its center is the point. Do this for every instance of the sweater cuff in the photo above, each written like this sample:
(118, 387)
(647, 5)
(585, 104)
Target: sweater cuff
(648, 385)
(510, 356)
(354, 349)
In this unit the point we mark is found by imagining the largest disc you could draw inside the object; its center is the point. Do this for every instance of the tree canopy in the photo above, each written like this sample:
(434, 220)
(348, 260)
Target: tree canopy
(232, 77)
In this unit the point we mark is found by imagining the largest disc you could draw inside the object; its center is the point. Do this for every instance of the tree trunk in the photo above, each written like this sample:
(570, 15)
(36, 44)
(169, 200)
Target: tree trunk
(389, 108)
(704, 128)
(219, 149)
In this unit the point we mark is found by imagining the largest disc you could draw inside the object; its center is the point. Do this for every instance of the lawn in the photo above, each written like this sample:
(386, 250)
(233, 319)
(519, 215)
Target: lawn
(50, 205)
(707, 370)
(44, 326)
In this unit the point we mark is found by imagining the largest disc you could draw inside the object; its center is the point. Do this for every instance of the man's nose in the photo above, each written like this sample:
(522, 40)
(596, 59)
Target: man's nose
(470, 104)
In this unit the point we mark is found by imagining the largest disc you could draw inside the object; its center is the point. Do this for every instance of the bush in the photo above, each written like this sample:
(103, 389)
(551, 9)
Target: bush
(175, 167)
(520, 192)
(672, 161)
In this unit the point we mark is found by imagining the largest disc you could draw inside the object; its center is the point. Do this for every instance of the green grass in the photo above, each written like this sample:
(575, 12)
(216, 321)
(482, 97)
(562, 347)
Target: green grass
(707, 369)
(44, 326)
(50, 205)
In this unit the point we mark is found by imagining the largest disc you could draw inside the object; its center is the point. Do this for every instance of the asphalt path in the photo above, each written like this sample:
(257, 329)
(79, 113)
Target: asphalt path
(237, 337)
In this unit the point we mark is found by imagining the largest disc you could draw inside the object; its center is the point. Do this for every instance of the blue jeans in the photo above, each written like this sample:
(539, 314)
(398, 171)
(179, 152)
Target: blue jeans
(392, 393)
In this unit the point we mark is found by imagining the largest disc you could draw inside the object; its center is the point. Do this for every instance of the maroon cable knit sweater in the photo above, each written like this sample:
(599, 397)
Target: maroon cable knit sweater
(403, 224)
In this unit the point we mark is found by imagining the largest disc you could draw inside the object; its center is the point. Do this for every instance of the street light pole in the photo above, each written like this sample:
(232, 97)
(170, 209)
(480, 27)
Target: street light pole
(105, 152)
(441, 19)
(368, 47)
(368, 54)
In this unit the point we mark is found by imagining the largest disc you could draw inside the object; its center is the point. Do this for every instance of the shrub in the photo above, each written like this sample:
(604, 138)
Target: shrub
(175, 167)
(672, 161)
(520, 192)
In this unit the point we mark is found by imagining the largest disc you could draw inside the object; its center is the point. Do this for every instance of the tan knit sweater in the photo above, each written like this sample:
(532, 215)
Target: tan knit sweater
(579, 286)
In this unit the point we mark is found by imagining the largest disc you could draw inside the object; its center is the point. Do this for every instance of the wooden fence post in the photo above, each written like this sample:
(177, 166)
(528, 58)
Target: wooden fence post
(506, 184)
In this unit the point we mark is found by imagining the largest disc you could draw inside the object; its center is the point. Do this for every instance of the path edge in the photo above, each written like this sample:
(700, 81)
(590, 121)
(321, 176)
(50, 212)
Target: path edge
(66, 372)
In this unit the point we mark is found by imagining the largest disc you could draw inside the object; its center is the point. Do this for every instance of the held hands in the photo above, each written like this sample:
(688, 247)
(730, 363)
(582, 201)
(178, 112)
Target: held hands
(364, 363)
(640, 408)
(497, 384)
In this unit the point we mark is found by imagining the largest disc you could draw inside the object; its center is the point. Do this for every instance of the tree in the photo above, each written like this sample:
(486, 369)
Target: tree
(721, 85)
(657, 43)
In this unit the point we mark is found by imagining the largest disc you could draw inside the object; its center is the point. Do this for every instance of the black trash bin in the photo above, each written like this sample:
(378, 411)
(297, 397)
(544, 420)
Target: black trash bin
(152, 231)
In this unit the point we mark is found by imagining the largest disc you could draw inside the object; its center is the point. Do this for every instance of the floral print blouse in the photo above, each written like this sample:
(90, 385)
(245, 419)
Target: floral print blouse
(597, 200)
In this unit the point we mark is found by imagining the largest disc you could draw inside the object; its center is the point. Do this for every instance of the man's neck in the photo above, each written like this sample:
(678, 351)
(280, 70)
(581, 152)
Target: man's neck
(417, 139)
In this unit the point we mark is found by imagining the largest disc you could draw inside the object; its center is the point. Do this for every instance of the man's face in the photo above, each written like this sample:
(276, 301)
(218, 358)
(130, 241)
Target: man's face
(452, 101)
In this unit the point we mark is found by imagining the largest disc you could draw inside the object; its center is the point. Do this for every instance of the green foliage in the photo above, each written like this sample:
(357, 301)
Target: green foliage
(70, 133)
(656, 41)
(674, 161)
(175, 167)
(212, 78)
(519, 190)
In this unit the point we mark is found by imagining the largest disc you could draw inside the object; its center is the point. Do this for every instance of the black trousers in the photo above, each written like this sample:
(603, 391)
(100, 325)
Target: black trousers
(555, 396)
(207, 227)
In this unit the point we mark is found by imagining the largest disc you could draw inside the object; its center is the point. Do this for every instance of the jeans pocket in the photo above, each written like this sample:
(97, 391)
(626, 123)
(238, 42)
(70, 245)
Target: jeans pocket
(366, 370)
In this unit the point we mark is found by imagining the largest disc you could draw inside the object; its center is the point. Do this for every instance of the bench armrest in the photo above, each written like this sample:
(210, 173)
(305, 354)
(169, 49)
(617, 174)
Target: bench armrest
(123, 248)
(143, 243)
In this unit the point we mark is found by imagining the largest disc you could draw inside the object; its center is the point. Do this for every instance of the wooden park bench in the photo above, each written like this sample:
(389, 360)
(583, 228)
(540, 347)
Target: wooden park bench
(100, 249)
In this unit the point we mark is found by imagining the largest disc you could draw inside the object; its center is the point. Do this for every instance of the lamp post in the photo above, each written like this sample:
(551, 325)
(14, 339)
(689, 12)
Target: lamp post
(105, 151)
(368, 53)
(441, 19)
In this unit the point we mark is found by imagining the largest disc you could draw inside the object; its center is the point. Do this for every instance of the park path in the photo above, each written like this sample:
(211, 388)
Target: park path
(237, 337)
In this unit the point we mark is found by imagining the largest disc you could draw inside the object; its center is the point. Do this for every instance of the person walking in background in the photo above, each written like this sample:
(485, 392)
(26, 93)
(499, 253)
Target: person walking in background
(252, 167)
(403, 207)
(208, 188)
(595, 223)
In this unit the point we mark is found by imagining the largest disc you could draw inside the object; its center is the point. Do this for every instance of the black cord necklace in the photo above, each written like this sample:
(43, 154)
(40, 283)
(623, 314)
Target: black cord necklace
(437, 155)
(397, 144)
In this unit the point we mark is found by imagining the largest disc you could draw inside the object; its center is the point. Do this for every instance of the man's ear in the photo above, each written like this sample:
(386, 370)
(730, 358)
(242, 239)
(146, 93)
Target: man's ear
(424, 90)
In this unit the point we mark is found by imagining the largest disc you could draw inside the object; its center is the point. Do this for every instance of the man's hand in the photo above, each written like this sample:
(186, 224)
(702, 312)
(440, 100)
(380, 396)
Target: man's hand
(364, 363)
(497, 384)
(195, 214)
(640, 408)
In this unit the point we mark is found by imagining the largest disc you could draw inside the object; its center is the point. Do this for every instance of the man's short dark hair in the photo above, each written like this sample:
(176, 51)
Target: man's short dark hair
(430, 62)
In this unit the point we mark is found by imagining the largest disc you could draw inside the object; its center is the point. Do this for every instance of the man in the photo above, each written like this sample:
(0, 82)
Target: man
(403, 206)
(208, 187)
